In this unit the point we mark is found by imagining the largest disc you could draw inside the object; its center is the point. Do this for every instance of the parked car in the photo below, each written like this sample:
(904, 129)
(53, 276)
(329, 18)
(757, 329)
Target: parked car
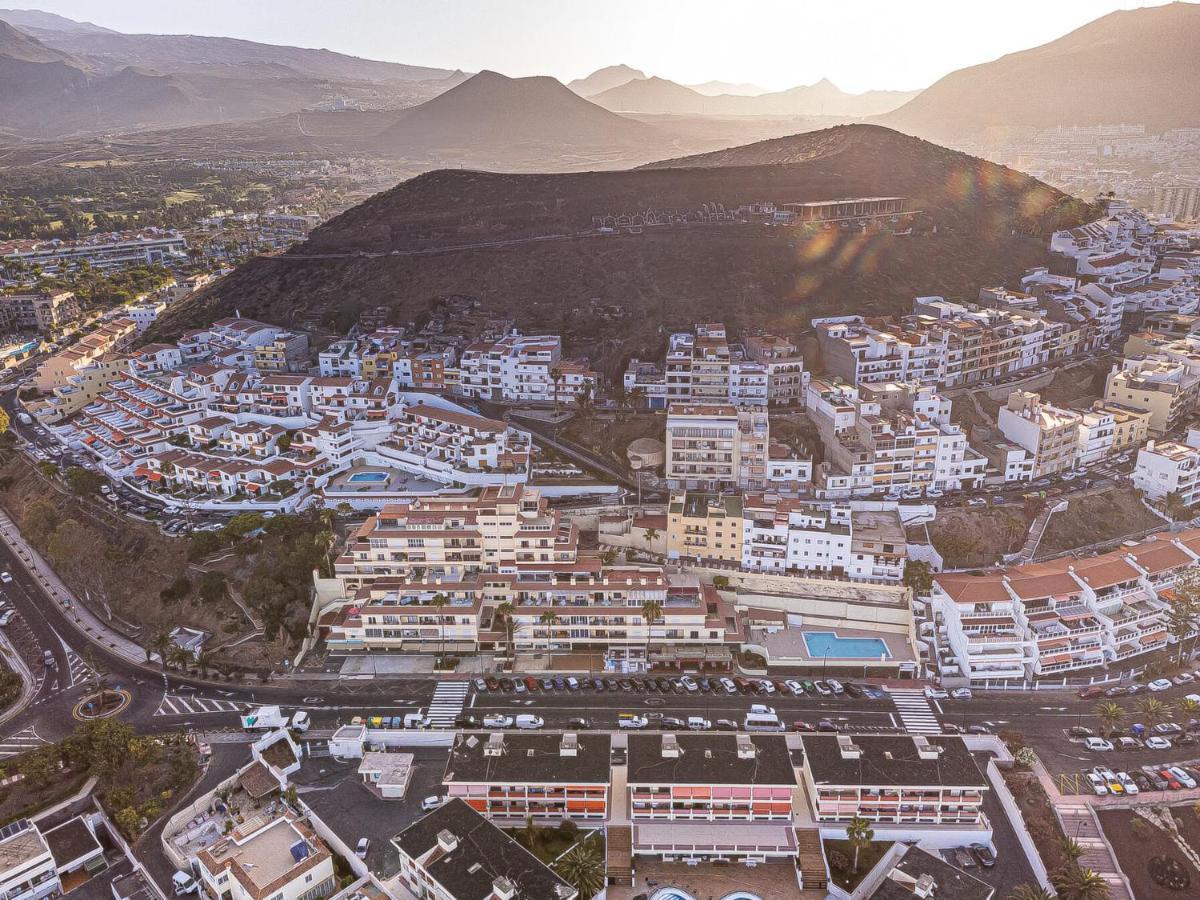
(1167, 728)
(1097, 745)
(6, 617)
(480, 685)
(670, 723)
(984, 854)
(1096, 783)
(1127, 783)
(530, 721)
(823, 689)
(826, 725)
(698, 723)
(689, 684)
(932, 693)
(1080, 731)
(726, 725)
(1141, 780)
(1168, 776)
(1182, 776)
(579, 723)
(728, 685)
(964, 859)
(801, 725)
(795, 687)
(835, 686)
(961, 693)
(497, 720)
(1159, 684)
(1158, 743)
(1129, 743)
(431, 802)
(630, 720)
(1091, 693)
(364, 846)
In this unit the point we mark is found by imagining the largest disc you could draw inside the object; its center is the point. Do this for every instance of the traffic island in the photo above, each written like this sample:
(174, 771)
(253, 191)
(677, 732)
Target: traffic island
(101, 705)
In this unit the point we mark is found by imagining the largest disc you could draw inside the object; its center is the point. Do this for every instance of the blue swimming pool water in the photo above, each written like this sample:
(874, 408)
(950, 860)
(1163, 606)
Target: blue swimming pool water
(827, 643)
(372, 477)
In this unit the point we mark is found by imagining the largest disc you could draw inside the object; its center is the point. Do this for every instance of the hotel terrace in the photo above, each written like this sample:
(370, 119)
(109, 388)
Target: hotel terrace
(505, 545)
(1061, 617)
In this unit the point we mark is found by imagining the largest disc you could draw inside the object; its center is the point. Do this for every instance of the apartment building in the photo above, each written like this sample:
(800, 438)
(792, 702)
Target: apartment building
(44, 311)
(1130, 427)
(27, 867)
(782, 535)
(524, 368)
(1169, 467)
(266, 858)
(57, 370)
(514, 775)
(454, 853)
(889, 437)
(705, 368)
(893, 780)
(1050, 434)
(684, 778)
(878, 546)
(716, 447)
(1165, 385)
(505, 545)
(149, 247)
(79, 390)
(705, 526)
(287, 351)
(1060, 617)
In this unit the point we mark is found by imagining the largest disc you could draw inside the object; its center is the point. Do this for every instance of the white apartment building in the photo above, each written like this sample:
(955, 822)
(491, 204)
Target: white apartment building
(1097, 436)
(782, 535)
(1050, 435)
(524, 368)
(280, 858)
(1163, 381)
(1169, 467)
(1059, 617)
(704, 367)
(27, 867)
(720, 446)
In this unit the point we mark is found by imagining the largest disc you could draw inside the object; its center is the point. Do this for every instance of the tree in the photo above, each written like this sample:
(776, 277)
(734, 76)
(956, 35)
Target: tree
(582, 868)
(1186, 593)
(860, 834)
(1175, 506)
(652, 611)
(608, 557)
(161, 644)
(40, 766)
(651, 535)
(4, 422)
(1111, 716)
(439, 602)
(1075, 883)
(918, 577)
(504, 613)
(1181, 618)
(1153, 711)
(556, 378)
(1029, 892)
(549, 618)
(83, 482)
(1071, 850)
(212, 587)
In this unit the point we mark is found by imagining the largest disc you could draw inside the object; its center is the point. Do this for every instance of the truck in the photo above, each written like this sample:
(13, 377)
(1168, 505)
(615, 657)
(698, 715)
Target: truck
(25, 418)
(266, 718)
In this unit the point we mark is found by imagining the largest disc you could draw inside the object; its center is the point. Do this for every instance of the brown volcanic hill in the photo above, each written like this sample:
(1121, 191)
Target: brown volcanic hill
(525, 245)
(491, 112)
(603, 79)
(1140, 66)
(18, 46)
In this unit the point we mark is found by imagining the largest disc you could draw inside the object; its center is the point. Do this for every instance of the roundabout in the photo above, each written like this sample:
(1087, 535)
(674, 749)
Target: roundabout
(101, 705)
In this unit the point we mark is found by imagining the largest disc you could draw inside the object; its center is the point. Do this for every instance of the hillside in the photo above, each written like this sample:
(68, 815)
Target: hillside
(603, 79)
(491, 118)
(1136, 66)
(445, 228)
(661, 96)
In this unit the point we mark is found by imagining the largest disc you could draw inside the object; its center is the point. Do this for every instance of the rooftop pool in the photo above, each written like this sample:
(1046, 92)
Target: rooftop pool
(367, 478)
(822, 644)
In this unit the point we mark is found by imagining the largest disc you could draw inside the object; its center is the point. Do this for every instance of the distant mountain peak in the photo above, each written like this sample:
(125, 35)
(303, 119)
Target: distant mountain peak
(605, 79)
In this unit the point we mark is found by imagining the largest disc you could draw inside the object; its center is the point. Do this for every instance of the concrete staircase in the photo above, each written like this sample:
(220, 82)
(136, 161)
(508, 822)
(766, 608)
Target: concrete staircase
(1079, 824)
(620, 854)
(1038, 529)
(810, 859)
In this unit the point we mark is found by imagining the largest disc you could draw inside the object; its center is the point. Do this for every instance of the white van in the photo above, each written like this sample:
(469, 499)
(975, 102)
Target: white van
(762, 722)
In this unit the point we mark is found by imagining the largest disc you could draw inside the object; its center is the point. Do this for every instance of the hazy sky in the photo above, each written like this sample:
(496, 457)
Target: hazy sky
(859, 44)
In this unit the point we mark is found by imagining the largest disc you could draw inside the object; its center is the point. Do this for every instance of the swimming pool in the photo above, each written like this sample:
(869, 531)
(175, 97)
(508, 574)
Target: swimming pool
(371, 477)
(827, 643)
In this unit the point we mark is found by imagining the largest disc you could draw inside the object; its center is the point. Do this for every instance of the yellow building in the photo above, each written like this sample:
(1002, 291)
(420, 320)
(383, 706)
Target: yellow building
(705, 526)
(1132, 426)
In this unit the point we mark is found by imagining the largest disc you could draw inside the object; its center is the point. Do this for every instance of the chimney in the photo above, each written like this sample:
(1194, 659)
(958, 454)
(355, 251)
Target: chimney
(745, 747)
(670, 747)
(446, 840)
(495, 745)
(848, 748)
(924, 887)
(503, 889)
(569, 745)
(926, 750)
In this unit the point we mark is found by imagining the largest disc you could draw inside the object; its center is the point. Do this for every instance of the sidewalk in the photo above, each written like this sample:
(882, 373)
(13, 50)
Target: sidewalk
(85, 621)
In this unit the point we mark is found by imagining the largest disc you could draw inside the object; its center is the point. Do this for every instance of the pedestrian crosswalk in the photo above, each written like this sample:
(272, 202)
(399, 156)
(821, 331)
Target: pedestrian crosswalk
(447, 703)
(24, 740)
(189, 705)
(914, 711)
(78, 671)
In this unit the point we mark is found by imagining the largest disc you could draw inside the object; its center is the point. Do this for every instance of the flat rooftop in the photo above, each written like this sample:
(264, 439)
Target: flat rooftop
(891, 761)
(709, 759)
(481, 854)
(528, 758)
(265, 855)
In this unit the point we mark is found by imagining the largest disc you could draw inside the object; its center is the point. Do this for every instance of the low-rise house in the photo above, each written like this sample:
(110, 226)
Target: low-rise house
(280, 857)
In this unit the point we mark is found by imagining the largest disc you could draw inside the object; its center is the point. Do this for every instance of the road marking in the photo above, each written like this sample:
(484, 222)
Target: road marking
(23, 741)
(447, 703)
(914, 710)
(191, 705)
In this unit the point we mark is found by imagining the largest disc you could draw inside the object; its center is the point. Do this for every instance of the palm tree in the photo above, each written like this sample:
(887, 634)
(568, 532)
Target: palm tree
(1188, 707)
(203, 662)
(860, 834)
(556, 377)
(1175, 506)
(504, 613)
(582, 868)
(549, 618)
(1081, 884)
(161, 644)
(652, 611)
(651, 537)
(438, 602)
(1111, 716)
(1153, 711)
(1029, 892)
(1071, 850)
